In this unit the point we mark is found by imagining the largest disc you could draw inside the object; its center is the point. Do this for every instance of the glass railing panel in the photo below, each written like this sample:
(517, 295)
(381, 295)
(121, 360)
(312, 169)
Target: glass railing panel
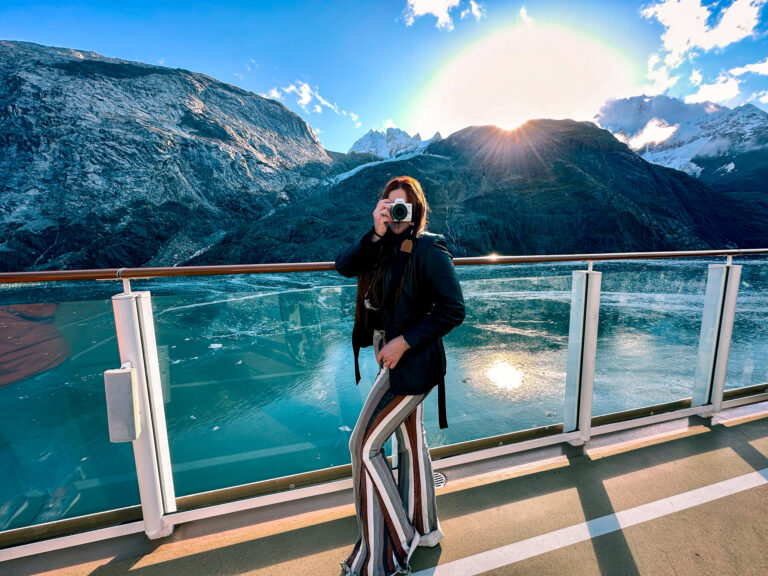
(57, 461)
(748, 357)
(260, 376)
(648, 332)
(257, 375)
(507, 360)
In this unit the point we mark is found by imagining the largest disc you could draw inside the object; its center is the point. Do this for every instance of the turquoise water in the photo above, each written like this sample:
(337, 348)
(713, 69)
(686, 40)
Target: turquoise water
(259, 382)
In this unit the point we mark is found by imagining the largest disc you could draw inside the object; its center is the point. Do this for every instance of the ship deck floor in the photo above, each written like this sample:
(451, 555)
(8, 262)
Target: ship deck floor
(684, 497)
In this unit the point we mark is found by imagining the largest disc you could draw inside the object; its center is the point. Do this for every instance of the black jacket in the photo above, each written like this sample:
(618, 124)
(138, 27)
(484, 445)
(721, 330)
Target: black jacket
(429, 306)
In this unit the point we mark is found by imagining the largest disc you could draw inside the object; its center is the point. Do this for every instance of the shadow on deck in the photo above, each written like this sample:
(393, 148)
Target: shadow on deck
(677, 498)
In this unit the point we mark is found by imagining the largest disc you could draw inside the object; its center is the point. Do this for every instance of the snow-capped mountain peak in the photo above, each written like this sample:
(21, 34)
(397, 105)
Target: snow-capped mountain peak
(391, 143)
(672, 133)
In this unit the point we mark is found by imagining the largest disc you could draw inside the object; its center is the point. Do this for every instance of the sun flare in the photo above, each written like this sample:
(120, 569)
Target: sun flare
(523, 72)
(505, 376)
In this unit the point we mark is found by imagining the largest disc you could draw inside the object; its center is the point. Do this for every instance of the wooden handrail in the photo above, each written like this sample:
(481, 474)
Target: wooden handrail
(174, 271)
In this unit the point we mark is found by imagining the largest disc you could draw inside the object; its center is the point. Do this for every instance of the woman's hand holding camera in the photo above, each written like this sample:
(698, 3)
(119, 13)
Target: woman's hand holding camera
(391, 353)
(381, 218)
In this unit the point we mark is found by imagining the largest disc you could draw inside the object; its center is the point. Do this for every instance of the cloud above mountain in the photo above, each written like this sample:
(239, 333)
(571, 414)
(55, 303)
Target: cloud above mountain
(691, 28)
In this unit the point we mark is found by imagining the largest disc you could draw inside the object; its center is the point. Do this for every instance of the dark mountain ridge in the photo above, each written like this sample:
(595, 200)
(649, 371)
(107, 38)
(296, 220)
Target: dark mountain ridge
(551, 186)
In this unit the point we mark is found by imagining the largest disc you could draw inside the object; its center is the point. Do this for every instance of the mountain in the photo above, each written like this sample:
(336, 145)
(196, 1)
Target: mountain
(110, 163)
(551, 186)
(672, 133)
(394, 142)
(725, 148)
(105, 162)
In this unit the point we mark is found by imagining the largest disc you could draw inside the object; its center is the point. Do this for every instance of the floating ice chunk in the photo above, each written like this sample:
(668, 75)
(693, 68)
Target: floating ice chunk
(193, 417)
(345, 428)
(215, 346)
(187, 339)
(215, 428)
(238, 363)
(175, 361)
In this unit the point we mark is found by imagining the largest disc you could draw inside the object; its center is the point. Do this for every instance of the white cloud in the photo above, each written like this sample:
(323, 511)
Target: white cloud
(238, 75)
(658, 73)
(756, 68)
(358, 124)
(388, 123)
(318, 109)
(161, 61)
(764, 97)
(439, 8)
(654, 132)
(274, 93)
(325, 102)
(723, 89)
(527, 20)
(696, 77)
(303, 91)
(354, 116)
(477, 10)
(317, 130)
(686, 25)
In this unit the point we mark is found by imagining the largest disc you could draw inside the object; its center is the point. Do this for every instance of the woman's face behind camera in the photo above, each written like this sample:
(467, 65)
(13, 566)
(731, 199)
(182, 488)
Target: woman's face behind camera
(398, 227)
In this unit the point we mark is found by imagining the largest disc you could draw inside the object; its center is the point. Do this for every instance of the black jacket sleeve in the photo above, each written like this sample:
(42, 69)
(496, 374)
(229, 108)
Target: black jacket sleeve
(444, 292)
(361, 255)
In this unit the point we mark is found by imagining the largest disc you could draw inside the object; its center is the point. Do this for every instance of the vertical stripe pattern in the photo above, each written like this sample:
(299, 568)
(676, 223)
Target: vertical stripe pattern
(393, 517)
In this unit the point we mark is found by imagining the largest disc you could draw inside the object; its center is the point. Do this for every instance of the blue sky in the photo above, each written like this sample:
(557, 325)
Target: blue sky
(424, 65)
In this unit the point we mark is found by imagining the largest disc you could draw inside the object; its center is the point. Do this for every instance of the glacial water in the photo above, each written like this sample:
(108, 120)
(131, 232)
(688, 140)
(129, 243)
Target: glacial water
(258, 374)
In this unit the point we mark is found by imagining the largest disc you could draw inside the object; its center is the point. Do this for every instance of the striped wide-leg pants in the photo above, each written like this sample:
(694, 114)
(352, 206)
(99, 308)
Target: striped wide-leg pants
(394, 517)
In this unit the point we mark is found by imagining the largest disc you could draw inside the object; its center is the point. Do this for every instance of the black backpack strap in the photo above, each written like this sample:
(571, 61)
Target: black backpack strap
(441, 404)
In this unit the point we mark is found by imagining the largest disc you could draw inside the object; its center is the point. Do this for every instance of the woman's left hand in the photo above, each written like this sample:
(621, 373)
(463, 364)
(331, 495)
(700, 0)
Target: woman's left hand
(392, 352)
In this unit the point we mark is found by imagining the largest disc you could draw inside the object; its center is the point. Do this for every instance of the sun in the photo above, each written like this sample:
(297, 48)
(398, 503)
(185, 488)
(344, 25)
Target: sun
(523, 72)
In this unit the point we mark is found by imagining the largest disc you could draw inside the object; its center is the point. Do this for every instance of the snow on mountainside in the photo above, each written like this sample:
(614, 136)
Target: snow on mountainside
(669, 132)
(391, 143)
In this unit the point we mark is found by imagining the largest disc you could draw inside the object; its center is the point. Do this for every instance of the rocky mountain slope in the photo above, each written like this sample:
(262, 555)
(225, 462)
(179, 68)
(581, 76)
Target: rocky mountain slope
(105, 162)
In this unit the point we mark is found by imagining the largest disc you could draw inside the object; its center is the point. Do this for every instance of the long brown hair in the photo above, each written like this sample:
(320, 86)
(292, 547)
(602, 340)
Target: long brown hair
(371, 282)
(415, 196)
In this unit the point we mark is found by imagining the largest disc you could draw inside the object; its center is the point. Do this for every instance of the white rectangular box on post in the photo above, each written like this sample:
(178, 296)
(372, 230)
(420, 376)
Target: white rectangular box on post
(582, 347)
(123, 415)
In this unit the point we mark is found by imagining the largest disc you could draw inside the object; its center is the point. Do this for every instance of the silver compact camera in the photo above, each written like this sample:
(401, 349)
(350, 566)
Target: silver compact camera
(401, 211)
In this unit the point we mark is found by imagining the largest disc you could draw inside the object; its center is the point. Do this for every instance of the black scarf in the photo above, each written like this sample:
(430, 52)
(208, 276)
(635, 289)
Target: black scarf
(395, 253)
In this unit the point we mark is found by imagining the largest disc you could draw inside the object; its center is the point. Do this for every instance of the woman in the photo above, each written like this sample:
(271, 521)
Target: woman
(408, 299)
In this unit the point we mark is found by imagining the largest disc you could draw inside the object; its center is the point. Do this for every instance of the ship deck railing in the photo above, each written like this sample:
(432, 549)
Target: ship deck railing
(160, 509)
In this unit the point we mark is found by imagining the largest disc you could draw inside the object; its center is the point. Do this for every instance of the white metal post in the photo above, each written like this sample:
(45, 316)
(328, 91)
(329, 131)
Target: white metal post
(155, 388)
(715, 336)
(582, 348)
(575, 338)
(726, 331)
(129, 341)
